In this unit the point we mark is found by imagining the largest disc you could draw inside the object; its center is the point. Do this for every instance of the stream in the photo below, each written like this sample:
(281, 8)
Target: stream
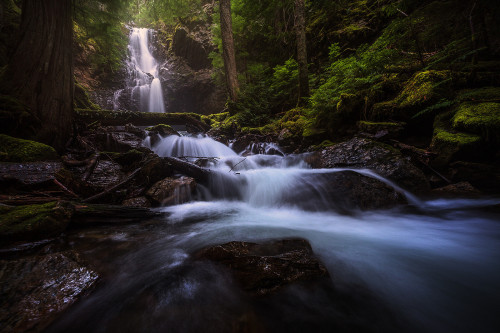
(431, 266)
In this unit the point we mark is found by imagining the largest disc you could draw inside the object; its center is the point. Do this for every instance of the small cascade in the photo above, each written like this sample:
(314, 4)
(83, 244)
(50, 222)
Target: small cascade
(261, 180)
(143, 91)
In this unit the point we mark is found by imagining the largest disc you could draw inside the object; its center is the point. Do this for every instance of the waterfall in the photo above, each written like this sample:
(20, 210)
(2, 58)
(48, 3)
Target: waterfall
(143, 89)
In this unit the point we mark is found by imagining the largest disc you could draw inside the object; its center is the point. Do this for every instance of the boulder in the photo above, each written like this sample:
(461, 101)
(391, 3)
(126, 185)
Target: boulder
(35, 290)
(261, 269)
(385, 160)
(348, 190)
(172, 191)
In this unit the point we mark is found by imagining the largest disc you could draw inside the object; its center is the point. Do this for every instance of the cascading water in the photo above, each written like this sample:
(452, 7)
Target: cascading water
(143, 91)
(435, 268)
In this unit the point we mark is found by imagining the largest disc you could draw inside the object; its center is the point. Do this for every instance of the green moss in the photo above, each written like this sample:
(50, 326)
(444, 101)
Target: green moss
(34, 221)
(19, 150)
(442, 136)
(451, 145)
(479, 118)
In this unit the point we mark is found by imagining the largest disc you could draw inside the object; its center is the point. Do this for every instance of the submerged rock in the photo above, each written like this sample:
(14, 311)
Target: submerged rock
(367, 154)
(171, 191)
(34, 290)
(261, 269)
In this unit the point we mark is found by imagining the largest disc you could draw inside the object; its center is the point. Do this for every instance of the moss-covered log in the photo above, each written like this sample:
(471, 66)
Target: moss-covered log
(120, 118)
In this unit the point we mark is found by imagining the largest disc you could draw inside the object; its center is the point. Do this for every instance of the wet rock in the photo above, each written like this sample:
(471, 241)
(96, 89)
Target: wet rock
(261, 269)
(171, 191)
(34, 222)
(367, 154)
(33, 291)
(461, 189)
(348, 190)
(163, 130)
(137, 202)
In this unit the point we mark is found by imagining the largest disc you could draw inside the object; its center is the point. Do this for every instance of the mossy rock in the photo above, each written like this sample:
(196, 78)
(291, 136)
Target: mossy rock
(422, 87)
(19, 150)
(34, 222)
(163, 130)
(452, 145)
(383, 111)
(349, 105)
(479, 118)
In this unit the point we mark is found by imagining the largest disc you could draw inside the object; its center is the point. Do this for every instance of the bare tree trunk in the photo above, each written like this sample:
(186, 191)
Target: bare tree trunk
(300, 28)
(228, 51)
(41, 69)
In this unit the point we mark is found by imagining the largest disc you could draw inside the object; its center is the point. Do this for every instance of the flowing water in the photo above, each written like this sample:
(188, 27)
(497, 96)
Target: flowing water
(432, 266)
(143, 89)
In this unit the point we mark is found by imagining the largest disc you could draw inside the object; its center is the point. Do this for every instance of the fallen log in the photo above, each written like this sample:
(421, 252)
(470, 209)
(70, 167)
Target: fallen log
(188, 169)
(121, 118)
(92, 214)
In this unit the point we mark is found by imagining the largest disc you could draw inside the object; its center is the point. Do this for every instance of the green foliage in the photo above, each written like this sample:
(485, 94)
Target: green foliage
(19, 150)
(148, 13)
(100, 33)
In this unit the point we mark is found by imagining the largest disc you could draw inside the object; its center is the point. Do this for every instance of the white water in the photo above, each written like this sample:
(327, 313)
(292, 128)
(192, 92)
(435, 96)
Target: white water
(143, 85)
(436, 267)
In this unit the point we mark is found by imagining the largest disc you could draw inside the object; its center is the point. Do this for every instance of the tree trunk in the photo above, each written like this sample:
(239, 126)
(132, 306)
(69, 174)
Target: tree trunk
(228, 51)
(41, 69)
(300, 29)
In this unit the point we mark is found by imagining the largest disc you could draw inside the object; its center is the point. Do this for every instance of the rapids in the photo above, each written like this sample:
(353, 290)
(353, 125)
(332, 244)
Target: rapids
(433, 265)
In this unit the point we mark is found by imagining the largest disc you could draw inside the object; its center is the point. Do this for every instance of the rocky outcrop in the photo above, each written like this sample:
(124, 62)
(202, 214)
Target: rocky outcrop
(192, 48)
(34, 290)
(261, 269)
(367, 154)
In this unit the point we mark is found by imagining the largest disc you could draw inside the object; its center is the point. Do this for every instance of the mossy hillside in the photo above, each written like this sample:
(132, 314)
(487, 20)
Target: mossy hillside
(33, 222)
(479, 118)
(19, 150)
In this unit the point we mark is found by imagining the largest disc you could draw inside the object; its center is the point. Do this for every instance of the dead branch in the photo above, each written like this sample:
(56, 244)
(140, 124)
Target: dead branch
(234, 166)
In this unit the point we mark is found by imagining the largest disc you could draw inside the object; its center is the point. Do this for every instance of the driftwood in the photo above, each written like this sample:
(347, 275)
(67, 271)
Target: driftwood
(93, 163)
(121, 118)
(189, 169)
